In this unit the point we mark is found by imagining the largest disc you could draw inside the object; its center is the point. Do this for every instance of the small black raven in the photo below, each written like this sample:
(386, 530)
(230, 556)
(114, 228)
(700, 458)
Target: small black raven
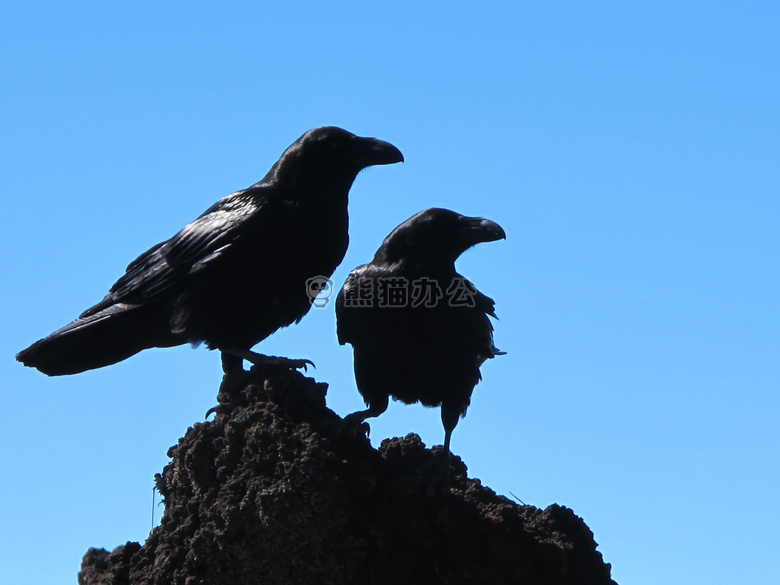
(234, 275)
(419, 330)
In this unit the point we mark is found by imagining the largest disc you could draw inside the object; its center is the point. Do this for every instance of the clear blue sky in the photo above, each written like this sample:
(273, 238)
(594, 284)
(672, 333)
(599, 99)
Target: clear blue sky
(630, 150)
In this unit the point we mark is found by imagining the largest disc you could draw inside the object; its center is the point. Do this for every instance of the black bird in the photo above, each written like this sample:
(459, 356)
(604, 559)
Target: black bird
(419, 330)
(234, 275)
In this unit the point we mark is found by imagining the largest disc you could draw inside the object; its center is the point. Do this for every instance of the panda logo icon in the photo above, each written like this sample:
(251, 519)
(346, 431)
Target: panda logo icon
(319, 289)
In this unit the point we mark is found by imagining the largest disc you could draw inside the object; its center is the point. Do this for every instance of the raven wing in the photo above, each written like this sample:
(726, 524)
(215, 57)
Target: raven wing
(348, 295)
(481, 323)
(165, 268)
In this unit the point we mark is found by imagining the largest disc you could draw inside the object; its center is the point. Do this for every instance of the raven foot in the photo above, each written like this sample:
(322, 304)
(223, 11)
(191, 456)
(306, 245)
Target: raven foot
(259, 359)
(354, 425)
(218, 409)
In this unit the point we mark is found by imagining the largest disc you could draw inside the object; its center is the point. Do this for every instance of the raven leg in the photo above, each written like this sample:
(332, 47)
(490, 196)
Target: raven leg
(233, 357)
(441, 476)
(231, 362)
(354, 422)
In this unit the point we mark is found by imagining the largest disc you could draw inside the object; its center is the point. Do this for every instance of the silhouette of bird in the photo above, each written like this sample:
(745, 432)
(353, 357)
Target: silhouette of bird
(234, 275)
(419, 330)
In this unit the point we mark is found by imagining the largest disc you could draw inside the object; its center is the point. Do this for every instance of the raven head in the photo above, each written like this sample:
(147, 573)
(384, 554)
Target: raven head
(330, 157)
(437, 235)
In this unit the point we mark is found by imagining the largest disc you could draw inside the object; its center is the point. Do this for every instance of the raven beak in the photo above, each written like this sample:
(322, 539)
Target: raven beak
(477, 230)
(372, 151)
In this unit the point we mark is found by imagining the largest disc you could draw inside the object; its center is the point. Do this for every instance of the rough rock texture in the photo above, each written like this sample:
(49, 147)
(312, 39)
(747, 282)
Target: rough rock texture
(270, 492)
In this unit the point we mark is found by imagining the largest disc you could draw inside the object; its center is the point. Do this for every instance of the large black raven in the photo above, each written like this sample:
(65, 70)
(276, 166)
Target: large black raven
(234, 275)
(419, 330)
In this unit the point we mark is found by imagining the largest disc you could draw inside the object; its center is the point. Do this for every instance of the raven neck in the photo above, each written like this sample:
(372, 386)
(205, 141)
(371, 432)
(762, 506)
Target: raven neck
(415, 267)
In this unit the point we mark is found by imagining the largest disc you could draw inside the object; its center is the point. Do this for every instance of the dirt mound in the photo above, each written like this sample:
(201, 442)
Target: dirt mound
(271, 492)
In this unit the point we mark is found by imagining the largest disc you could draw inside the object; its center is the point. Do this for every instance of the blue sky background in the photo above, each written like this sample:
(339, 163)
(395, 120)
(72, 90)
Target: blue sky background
(630, 150)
